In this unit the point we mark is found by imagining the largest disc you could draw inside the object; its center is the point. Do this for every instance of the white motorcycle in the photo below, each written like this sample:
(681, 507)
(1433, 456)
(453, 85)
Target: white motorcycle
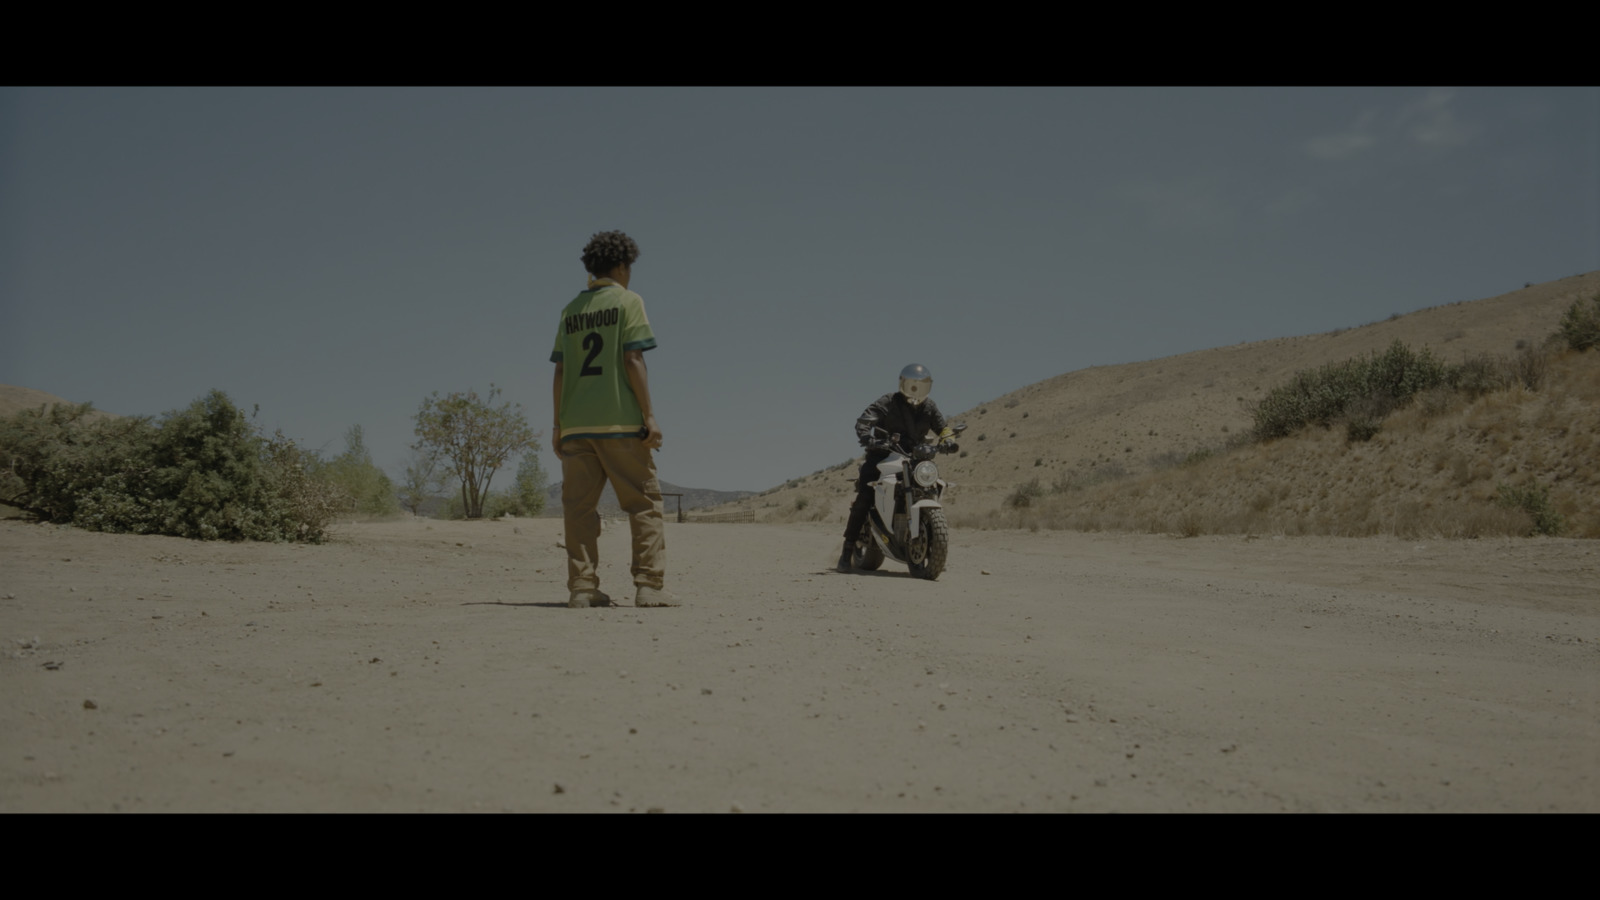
(906, 522)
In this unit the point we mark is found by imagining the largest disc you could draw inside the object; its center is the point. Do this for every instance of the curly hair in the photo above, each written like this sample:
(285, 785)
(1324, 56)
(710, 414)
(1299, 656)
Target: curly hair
(608, 250)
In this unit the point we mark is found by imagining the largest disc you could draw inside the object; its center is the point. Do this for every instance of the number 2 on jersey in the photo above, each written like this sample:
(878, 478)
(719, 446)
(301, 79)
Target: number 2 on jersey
(593, 343)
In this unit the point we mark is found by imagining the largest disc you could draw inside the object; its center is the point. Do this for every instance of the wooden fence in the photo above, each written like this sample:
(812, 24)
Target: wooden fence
(742, 515)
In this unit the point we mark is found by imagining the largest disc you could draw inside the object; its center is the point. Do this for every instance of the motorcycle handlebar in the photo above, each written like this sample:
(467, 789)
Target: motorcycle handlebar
(883, 440)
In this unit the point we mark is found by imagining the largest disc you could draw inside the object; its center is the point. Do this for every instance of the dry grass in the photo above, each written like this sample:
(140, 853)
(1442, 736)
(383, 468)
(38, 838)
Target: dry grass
(1151, 445)
(1430, 472)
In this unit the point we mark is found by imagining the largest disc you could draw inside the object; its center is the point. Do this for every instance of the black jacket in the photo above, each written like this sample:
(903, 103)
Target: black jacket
(893, 414)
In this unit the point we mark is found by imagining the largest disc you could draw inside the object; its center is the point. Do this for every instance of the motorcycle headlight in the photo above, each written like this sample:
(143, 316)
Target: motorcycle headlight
(926, 473)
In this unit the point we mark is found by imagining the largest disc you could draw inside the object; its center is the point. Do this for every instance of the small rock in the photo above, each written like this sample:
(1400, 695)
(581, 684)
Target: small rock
(559, 790)
(90, 704)
(983, 571)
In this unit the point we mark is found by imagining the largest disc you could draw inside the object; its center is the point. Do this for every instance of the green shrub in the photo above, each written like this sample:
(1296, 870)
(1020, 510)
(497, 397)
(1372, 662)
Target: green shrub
(201, 472)
(1381, 382)
(499, 503)
(55, 457)
(525, 498)
(1358, 431)
(530, 484)
(1483, 374)
(369, 490)
(1580, 326)
(1533, 499)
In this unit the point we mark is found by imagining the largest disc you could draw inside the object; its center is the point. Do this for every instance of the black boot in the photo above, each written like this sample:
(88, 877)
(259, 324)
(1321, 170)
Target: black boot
(845, 556)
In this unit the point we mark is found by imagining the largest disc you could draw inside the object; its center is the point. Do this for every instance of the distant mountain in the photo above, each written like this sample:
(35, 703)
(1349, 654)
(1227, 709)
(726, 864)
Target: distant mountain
(15, 399)
(693, 498)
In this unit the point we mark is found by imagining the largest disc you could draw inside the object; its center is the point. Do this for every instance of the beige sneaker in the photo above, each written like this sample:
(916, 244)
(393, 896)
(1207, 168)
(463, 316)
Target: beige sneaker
(649, 596)
(586, 599)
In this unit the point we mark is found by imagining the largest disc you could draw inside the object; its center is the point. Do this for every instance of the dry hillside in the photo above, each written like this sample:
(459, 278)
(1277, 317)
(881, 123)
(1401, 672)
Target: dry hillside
(15, 399)
(1120, 424)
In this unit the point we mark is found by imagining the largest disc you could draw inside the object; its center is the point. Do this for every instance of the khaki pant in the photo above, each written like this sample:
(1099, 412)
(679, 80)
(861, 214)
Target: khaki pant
(586, 464)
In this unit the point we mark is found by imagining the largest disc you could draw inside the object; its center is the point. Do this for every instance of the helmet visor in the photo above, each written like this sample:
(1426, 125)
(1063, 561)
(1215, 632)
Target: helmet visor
(916, 390)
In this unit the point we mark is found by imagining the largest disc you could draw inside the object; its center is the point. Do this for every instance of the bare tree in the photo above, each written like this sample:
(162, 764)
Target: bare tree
(472, 438)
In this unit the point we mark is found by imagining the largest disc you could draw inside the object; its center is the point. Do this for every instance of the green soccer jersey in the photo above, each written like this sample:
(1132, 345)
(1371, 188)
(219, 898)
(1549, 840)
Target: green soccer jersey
(596, 329)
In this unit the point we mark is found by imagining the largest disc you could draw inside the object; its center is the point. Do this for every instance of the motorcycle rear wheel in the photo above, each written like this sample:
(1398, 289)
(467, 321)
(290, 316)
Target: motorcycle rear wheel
(868, 555)
(934, 542)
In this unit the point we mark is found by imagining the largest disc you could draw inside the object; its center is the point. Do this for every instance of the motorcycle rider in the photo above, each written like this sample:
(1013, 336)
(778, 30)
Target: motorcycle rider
(907, 412)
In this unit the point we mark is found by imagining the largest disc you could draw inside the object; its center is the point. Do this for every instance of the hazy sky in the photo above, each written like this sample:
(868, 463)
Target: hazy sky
(335, 255)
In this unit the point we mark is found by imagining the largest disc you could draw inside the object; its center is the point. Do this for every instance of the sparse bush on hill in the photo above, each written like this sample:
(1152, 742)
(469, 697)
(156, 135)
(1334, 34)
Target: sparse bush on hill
(1363, 429)
(1025, 494)
(202, 472)
(1533, 499)
(1529, 367)
(1363, 391)
(1379, 382)
(1580, 326)
(1483, 374)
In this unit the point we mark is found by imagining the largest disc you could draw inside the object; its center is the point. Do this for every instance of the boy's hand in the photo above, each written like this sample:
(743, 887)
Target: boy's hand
(651, 433)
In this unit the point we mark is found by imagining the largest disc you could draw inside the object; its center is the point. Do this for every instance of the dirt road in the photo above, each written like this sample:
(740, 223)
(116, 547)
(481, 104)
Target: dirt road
(428, 666)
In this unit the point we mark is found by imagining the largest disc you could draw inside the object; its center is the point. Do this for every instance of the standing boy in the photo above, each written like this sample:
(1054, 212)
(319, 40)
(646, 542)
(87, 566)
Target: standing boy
(605, 425)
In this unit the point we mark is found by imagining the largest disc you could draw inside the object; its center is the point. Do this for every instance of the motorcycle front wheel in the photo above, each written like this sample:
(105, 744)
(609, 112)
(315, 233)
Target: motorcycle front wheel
(932, 546)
